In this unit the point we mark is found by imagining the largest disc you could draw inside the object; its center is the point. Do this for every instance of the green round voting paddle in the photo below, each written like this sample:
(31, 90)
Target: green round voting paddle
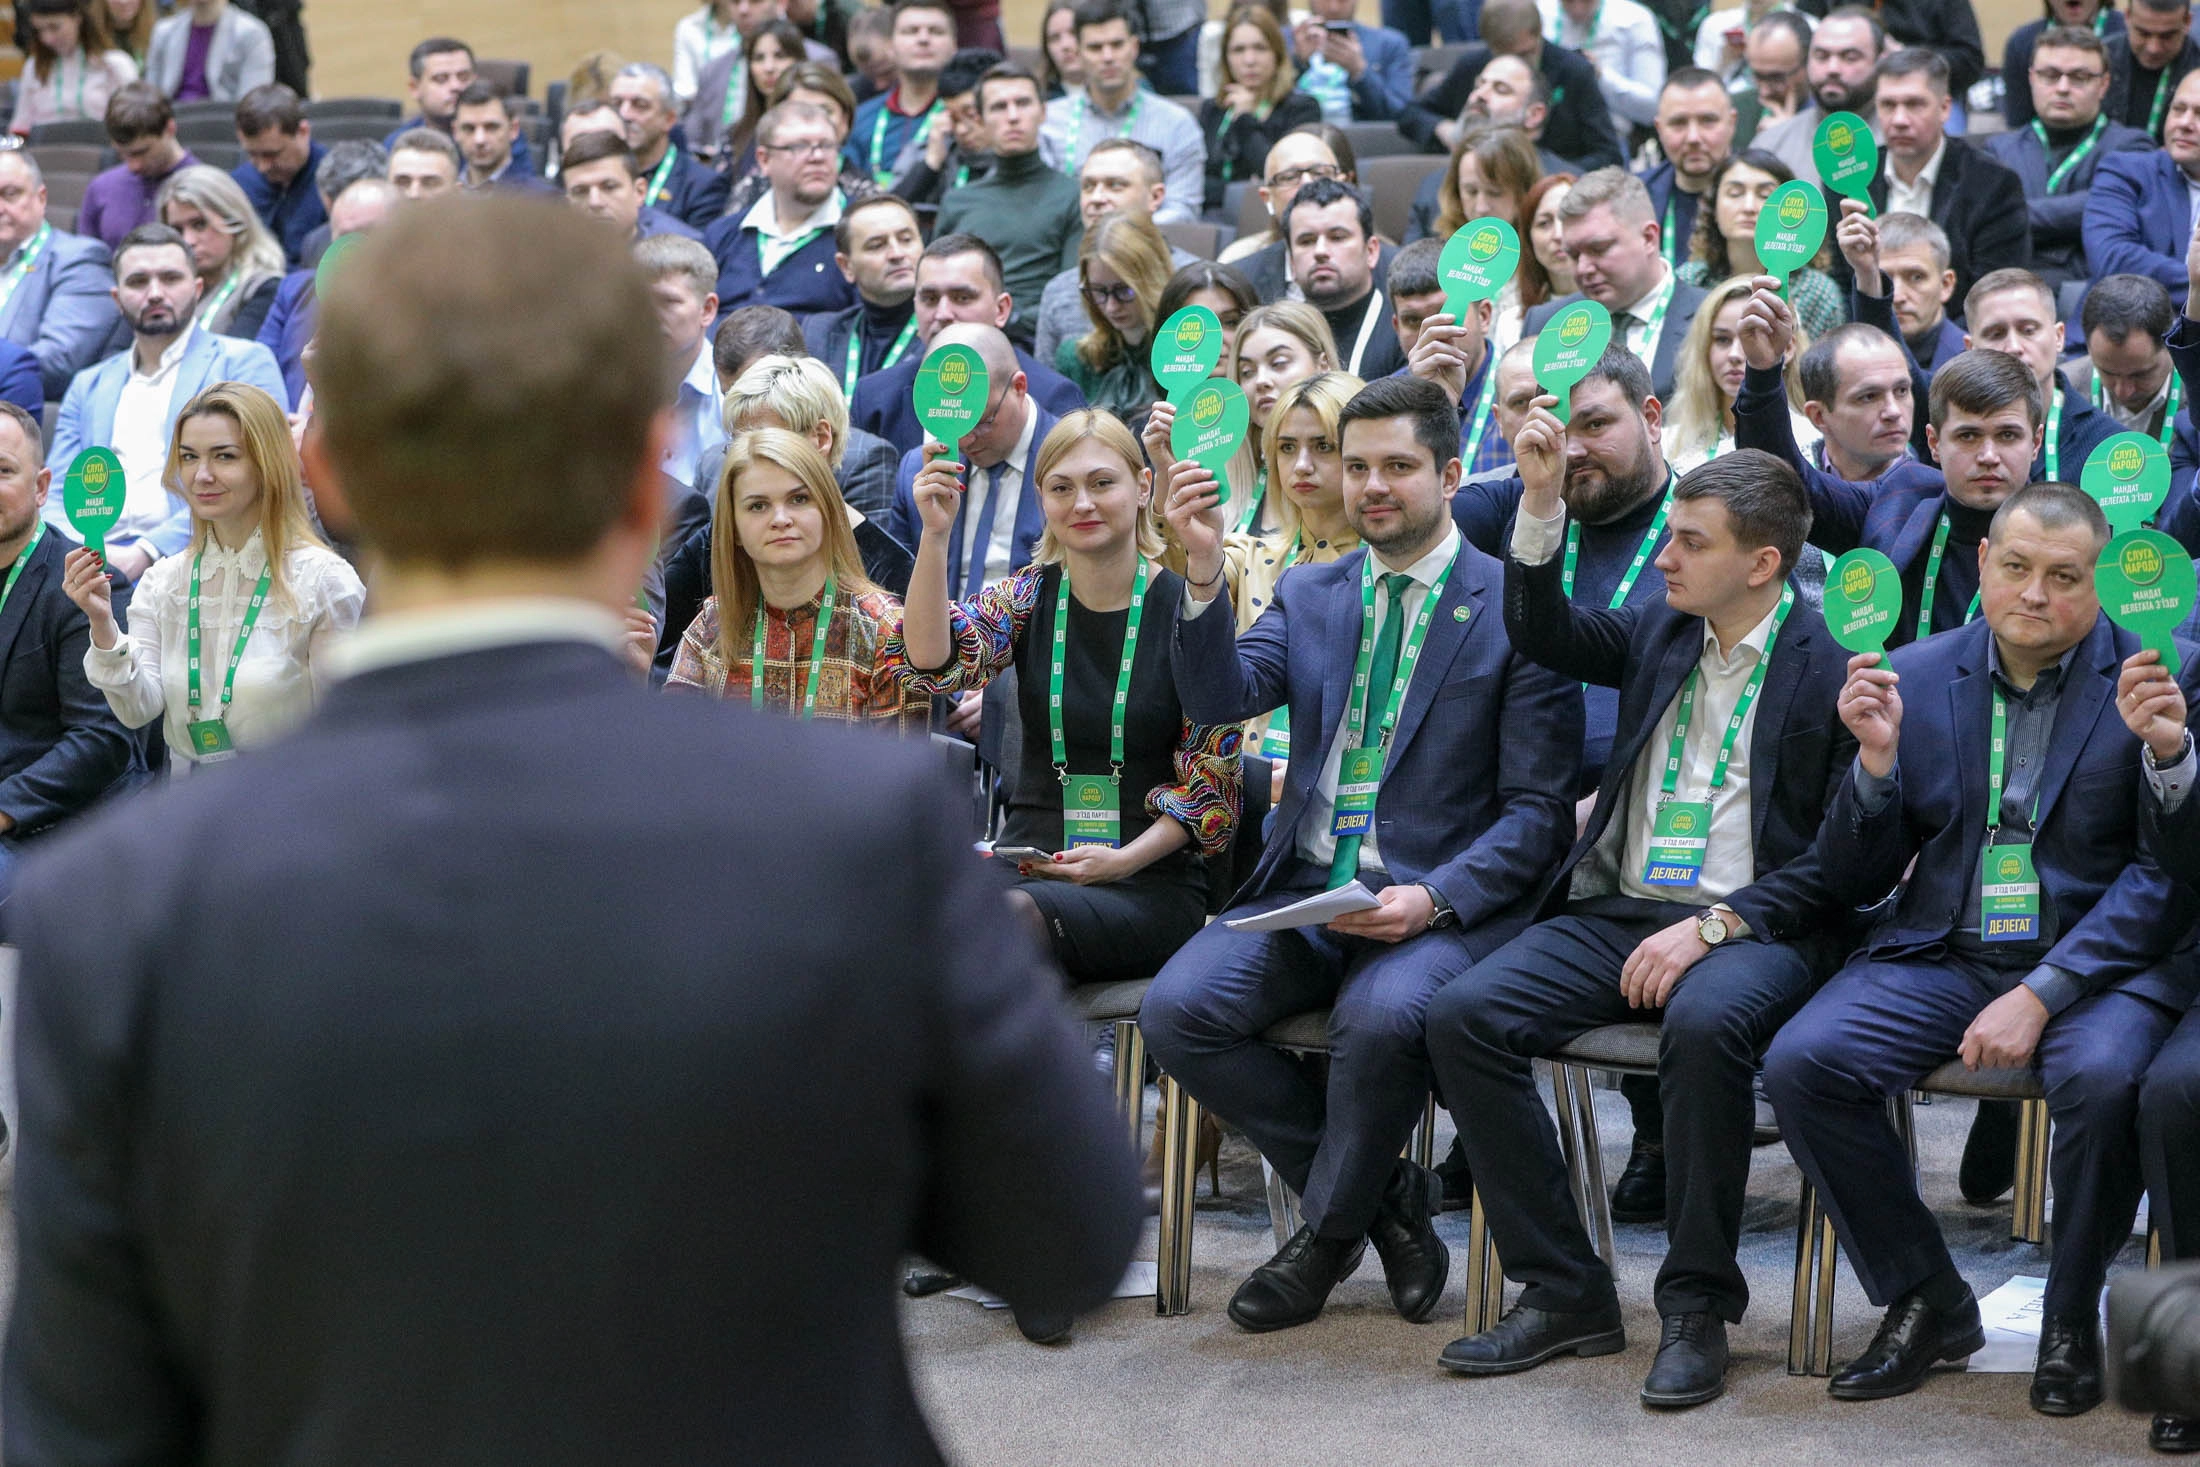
(1567, 347)
(92, 495)
(2128, 476)
(1478, 259)
(1790, 228)
(1863, 600)
(950, 392)
(2145, 580)
(1210, 424)
(1847, 156)
(1186, 349)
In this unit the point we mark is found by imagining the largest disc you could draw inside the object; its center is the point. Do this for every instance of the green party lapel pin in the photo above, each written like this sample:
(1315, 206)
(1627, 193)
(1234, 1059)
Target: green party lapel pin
(1863, 600)
(1790, 228)
(1847, 156)
(1211, 419)
(1186, 349)
(92, 495)
(2128, 476)
(1567, 347)
(2145, 580)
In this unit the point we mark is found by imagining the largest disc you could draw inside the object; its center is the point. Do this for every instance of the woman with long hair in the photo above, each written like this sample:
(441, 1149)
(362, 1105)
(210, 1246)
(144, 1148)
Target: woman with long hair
(1726, 239)
(1310, 151)
(1491, 172)
(772, 52)
(74, 67)
(1120, 799)
(1256, 103)
(1278, 346)
(130, 22)
(1699, 426)
(1061, 65)
(1122, 267)
(239, 263)
(795, 625)
(226, 640)
(1545, 272)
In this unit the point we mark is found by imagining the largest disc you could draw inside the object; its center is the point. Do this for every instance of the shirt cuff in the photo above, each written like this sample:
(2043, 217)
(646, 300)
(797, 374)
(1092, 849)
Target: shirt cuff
(1536, 540)
(1874, 792)
(2173, 784)
(2056, 988)
(1191, 607)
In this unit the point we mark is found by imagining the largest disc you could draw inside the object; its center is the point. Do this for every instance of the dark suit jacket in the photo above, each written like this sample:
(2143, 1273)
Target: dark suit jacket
(2180, 514)
(61, 746)
(1580, 126)
(694, 195)
(882, 404)
(902, 521)
(2058, 219)
(2125, 104)
(464, 1078)
(1665, 360)
(1974, 201)
(1947, 26)
(2137, 219)
(1683, 205)
(2118, 913)
(1475, 795)
(1798, 749)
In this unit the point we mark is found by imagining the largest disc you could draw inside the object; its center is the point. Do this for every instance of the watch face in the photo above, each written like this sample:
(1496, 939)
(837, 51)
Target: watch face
(1711, 927)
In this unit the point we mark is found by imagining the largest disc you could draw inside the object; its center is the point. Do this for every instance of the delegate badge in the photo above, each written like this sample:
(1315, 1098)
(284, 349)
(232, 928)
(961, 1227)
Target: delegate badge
(1790, 228)
(210, 740)
(2145, 580)
(1863, 600)
(92, 495)
(1275, 743)
(1186, 349)
(950, 392)
(2008, 895)
(1478, 259)
(1679, 836)
(1567, 347)
(2128, 475)
(1092, 811)
(1359, 776)
(1847, 155)
(1210, 424)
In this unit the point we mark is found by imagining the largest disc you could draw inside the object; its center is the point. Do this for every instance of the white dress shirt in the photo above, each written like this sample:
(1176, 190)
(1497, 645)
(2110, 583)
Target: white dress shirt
(141, 432)
(1622, 38)
(698, 419)
(146, 675)
(697, 41)
(1915, 198)
(1000, 545)
(389, 639)
(773, 243)
(1730, 863)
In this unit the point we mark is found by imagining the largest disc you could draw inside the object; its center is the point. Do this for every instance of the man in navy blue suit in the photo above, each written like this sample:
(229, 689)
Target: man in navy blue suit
(2032, 929)
(2130, 373)
(1692, 899)
(2138, 218)
(1442, 790)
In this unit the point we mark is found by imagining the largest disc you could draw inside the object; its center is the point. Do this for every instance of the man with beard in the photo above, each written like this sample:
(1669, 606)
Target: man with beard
(1844, 51)
(1451, 815)
(875, 245)
(129, 401)
(1507, 94)
(781, 252)
(1692, 899)
(1858, 394)
(1330, 232)
(1580, 125)
(1617, 246)
(1696, 129)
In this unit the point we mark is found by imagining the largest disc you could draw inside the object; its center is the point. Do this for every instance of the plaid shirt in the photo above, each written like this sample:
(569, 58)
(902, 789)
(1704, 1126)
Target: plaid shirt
(853, 685)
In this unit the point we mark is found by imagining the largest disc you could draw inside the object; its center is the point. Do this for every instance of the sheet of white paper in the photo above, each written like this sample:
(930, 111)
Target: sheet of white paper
(1139, 1282)
(2012, 1318)
(1312, 912)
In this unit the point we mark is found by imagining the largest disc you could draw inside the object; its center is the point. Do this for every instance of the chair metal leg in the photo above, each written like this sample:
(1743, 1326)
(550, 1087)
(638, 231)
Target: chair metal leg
(1485, 1274)
(1569, 1133)
(1902, 1110)
(2029, 1223)
(1283, 1205)
(1179, 1174)
(2154, 1240)
(1130, 1075)
(1810, 1314)
(1595, 1201)
(1422, 1148)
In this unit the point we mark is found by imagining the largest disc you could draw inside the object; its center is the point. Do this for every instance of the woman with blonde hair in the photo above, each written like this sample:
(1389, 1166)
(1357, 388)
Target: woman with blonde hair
(226, 640)
(796, 625)
(1119, 800)
(1278, 346)
(1699, 425)
(74, 67)
(1122, 267)
(1256, 101)
(240, 265)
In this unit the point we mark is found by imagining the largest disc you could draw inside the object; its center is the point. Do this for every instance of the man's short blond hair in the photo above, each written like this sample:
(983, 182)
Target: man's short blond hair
(486, 378)
(675, 254)
(1622, 191)
(799, 391)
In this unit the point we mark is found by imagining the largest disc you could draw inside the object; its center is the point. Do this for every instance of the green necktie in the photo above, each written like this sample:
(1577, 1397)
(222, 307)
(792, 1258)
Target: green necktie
(1345, 866)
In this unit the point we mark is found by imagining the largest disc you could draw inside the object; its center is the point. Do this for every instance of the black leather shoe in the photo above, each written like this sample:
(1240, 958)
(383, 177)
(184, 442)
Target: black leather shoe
(1042, 1327)
(1526, 1337)
(1912, 1339)
(924, 1279)
(1640, 1195)
(1415, 1261)
(2174, 1433)
(1457, 1178)
(1291, 1287)
(1989, 1167)
(1691, 1364)
(2066, 1381)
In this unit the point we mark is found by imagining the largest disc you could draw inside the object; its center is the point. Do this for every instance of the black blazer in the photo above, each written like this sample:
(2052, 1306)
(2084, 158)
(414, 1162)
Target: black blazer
(2126, 105)
(1665, 354)
(1799, 751)
(1580, 126)
(444, 1053)
(1977, 202)
(61, 746)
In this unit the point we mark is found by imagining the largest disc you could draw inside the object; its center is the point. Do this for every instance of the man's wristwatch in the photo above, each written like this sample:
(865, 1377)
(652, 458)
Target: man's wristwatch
(1443, 916)
(2164, 766)
(1714, 925)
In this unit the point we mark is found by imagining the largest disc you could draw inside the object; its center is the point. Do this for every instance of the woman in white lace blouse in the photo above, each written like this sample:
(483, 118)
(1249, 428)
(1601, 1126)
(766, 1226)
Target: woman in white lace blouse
(257, 591)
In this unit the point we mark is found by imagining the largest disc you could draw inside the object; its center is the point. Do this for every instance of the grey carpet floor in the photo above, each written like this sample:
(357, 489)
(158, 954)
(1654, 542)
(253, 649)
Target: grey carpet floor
(1360, 1386)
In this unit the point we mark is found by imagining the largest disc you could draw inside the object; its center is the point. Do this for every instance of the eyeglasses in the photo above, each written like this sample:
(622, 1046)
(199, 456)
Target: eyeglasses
(815, 148)
(1290, 176)
(2055, 76)
(1121, 293)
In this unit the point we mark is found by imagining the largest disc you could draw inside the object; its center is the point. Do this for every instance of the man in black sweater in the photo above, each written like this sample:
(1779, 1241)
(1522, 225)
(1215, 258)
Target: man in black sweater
(1330, 232)
(877, 242)
(1580, 126)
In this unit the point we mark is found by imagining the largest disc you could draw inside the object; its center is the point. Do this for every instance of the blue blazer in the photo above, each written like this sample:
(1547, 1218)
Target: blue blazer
(2118, 913)
(882, 406)
(904, 524)
(2137, 219)
(88, 411)
(1798, 750)
(806, 282)
(20, 382)
(694, 195)
(64, 309)
(291, 212)
(287, 329)
(1475, 799)
(2058, 220)
(1385, 88)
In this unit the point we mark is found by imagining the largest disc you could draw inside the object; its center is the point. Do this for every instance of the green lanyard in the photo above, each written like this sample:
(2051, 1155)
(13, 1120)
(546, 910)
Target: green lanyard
(736, 85)
(1408, 654)
(220, 298)
(1932, 583)
(1596, 22)
(1251, 517)
(1122, 678)
(855, 350)
(23, 265)
(2054, 435)
(1077, 129)
(16, 570)
(1642, 552)
(765, 265)
(1994, 756)
(1481, 418)
(2161, 104)
(962, 176)
(1672, 242)
(1655, 321)
(244, 635)
(1686, 713)
(879, 171)
(655, 193)
(2169, 406)
(1229, 116)
(817, 655)
(2077, 154)
(2100, 21)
